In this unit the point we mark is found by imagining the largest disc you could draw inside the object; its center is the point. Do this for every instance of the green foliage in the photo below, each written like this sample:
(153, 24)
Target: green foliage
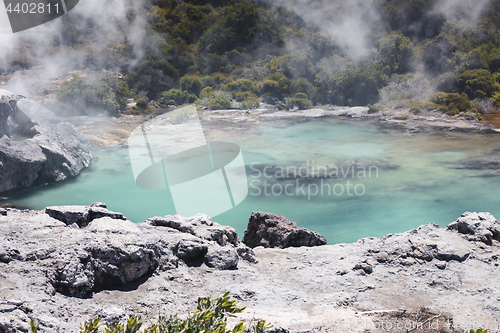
(178, 97)
(374, 108)
(192, 84)
(478, 83)
(142, 103)
(104, 94)
(396, 52)
(210, 317)
(207, 92)
(235, 26)
(238, 46)
(220, 101)
(91, 326)
(250, 103)
(479, 330)
(454, 104)
(34, 326)
(299, 101)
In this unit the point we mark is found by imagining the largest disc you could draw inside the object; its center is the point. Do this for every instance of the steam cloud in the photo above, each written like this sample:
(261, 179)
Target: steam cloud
(112, 21)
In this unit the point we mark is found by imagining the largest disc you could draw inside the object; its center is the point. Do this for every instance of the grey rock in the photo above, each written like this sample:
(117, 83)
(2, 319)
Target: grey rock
(272, 230)
(222, 258)
(189, 250)
(113, 268)
(246, 253)
(81, 215)
(479, 227)
(99, 212)
(53, 150)
(69, 214)
(199, 225)
(98, 204)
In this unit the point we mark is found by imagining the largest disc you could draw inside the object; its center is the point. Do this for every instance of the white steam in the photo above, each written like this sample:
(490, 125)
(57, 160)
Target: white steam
(112, 22)
(349, 24)
(461, 10)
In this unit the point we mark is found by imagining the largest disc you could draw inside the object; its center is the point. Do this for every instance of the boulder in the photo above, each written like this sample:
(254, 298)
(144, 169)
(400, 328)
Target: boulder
(478, 227)
(199, 225)
(222, 258)
(272, 230)
(189, 250)
(81, 215)
(51, 151)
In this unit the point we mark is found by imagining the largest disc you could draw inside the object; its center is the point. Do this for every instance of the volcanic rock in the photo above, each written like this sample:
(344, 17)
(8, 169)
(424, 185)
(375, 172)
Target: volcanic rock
(272, 230)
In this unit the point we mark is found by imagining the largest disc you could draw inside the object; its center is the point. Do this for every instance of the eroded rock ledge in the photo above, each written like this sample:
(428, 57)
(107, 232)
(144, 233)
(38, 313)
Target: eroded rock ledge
(67, 264)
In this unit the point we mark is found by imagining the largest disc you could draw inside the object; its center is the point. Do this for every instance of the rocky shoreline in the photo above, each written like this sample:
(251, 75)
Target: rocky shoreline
(64, 265)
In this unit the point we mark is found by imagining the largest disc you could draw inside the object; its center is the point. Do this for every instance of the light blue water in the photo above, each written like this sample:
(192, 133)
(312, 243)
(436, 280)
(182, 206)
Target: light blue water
(415, 179)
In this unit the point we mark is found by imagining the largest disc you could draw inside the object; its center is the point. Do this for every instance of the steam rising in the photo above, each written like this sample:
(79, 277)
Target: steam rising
(57, 47)
(461, 10)
(349, 24)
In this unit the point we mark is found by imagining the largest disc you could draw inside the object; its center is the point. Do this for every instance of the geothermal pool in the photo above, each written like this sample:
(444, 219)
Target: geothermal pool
(346, 179)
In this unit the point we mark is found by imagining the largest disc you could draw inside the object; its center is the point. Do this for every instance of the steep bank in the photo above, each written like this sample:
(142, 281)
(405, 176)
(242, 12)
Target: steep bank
(86, 261)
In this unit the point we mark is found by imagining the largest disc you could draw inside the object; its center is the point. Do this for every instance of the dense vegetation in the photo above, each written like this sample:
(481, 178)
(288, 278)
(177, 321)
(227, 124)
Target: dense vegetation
(220, 51)
(210, 317)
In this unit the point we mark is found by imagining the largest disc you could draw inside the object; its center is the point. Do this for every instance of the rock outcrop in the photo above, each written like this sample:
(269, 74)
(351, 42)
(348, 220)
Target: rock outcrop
(272, 230)
(71, 267)
(35, 147)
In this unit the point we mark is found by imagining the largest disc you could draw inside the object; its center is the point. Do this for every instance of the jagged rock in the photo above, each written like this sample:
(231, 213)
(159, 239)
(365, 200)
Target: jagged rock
(424, 244)
(365, 267)
(482, 227)
(53, 150)
(246, 253)
(191, 250)
(69, 214)
(222, 258)
(199, 225)
(272, 230)
(81, 215)
(114, 268)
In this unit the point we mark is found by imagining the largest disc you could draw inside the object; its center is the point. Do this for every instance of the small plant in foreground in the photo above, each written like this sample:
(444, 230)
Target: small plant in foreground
(210, 317)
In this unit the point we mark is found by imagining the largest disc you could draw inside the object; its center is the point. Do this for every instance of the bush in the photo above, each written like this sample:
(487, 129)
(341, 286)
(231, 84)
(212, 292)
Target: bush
(454, 103)
(178, 97)
(478, 83)
(210, 317)
(100, 94)
(299, 101)
(250, 103)
(220, 101)
(207, 92)
(192, 84)
(142, 103)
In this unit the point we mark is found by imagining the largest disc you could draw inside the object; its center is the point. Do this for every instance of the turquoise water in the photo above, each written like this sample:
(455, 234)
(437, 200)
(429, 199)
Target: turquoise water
(414, 178)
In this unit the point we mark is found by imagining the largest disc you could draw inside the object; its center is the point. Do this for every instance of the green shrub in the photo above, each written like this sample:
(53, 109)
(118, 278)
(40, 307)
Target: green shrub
(299, 101)
(192, 84)
(219, 102)
(207, 92)
(374, 108)
(435, 106)
(270, 87)
(450, 103)
(210, 317)
(102, 94)
(178, 97)
(242, 85)
(479, 330)
(250, 103)
(142, 103)
(478, 83)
